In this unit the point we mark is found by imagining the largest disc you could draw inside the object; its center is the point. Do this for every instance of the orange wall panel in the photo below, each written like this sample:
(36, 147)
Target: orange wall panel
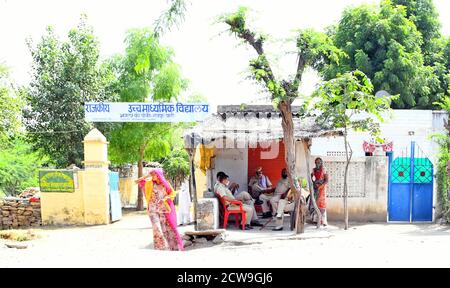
(271, 167)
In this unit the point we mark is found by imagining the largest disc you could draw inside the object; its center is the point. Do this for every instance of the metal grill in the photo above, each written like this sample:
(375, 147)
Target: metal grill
(401, 170)
(423, 168)
(356, 179)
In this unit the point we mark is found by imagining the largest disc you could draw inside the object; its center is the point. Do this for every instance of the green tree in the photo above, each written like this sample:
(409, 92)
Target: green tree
(313, 49)
(176, 166)
(19, 167)
(386, 45)
(347, 102)
(145, 73)
(10, 107)
(65, 75)
(426, 18)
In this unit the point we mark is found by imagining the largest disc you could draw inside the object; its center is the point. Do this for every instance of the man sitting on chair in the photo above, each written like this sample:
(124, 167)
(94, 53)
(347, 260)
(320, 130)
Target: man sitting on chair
(285, 206)
(260, 184)
(221, 188)
(281, 190)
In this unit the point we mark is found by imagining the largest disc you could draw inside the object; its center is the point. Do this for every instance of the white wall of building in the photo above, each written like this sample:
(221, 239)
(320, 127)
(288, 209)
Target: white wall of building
(403, 127)
(234, 162)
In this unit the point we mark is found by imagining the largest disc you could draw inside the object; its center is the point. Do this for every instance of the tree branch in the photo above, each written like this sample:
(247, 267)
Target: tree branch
(301, 65)
(237, 26)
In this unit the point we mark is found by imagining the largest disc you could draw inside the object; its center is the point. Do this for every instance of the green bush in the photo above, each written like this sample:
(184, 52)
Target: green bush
(442, 178)
(19, 168)
(176, 166)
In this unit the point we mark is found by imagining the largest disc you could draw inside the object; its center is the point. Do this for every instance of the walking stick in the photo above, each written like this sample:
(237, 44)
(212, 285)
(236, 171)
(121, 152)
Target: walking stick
(267, 223)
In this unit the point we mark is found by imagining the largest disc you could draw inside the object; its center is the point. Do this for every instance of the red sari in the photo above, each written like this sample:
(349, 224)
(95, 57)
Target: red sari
(320, 192)
(319, 175)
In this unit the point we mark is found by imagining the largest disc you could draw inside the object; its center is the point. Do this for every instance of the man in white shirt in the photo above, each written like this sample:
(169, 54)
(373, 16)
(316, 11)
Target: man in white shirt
(221, 188)
(285, 206)
(280, 192)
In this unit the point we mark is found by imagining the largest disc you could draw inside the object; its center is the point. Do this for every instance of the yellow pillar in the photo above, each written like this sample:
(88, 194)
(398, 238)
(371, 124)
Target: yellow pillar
(95, 184)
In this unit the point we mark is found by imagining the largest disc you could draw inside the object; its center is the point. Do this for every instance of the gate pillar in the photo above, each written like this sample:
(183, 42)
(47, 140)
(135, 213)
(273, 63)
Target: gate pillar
(96, 179)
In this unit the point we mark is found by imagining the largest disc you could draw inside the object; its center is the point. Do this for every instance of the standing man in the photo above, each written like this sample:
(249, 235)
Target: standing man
(320, 181)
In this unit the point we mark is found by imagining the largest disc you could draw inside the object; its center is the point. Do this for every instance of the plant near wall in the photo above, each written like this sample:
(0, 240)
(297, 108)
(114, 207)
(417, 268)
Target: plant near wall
(443, 173)
(347, 102)
(443, 156)
(19, 167)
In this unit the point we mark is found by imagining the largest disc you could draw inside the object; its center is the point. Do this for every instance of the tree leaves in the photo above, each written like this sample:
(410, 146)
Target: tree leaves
(385, 44)
(10, 107)
(316, 48)
(172, 16)
(354, 91)
(176, 165)
(146, 72)
(19, 167)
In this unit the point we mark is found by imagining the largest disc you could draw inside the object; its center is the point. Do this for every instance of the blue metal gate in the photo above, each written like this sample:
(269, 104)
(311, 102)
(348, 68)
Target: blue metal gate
(114, 196)
(411, 188)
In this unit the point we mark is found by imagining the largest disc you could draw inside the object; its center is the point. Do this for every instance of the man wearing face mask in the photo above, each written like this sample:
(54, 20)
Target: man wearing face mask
(286, 205)
(221, 188)
(279, 193)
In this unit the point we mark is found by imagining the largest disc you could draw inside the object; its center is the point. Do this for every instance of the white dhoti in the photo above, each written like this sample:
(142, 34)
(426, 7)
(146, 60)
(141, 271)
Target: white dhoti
(184, 205)
(283, 207)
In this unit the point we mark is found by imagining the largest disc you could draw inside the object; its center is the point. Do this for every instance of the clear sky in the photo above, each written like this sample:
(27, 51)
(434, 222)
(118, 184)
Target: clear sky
(215, 63)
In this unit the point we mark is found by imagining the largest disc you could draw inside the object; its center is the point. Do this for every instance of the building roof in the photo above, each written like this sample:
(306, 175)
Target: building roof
(254, 124)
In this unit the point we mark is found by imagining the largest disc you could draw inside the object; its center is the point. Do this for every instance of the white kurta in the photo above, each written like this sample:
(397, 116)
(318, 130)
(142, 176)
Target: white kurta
(184, 205)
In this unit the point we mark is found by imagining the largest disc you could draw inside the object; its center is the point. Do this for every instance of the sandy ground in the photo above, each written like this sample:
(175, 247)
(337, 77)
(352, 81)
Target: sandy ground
(127, 243)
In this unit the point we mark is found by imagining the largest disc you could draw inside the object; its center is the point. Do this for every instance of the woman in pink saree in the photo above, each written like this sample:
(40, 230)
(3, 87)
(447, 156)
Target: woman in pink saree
(161, 211)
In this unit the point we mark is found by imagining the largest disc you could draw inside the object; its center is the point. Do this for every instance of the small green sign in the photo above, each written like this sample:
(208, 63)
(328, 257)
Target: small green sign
(60, 181)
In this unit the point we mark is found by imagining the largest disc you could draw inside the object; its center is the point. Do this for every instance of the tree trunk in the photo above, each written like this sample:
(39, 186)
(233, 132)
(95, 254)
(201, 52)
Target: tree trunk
(140, 200)
(289, 144)
(310, 183)
(192, 183)
(349, 158)
(289, 141)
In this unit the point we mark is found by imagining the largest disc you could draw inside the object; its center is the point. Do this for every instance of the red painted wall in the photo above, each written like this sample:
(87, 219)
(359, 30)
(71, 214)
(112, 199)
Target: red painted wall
(271, 167)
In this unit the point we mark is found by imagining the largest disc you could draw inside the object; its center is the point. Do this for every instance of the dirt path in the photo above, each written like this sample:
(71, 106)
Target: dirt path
(128, 244)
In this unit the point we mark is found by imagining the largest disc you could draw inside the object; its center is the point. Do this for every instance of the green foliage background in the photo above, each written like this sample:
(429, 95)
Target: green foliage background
(19, 167)
(398, 56)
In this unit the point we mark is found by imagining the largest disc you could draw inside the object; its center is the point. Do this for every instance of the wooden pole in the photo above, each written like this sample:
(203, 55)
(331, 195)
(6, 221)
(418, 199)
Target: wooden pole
(306, 145)
(192, 183)
(194, 189)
